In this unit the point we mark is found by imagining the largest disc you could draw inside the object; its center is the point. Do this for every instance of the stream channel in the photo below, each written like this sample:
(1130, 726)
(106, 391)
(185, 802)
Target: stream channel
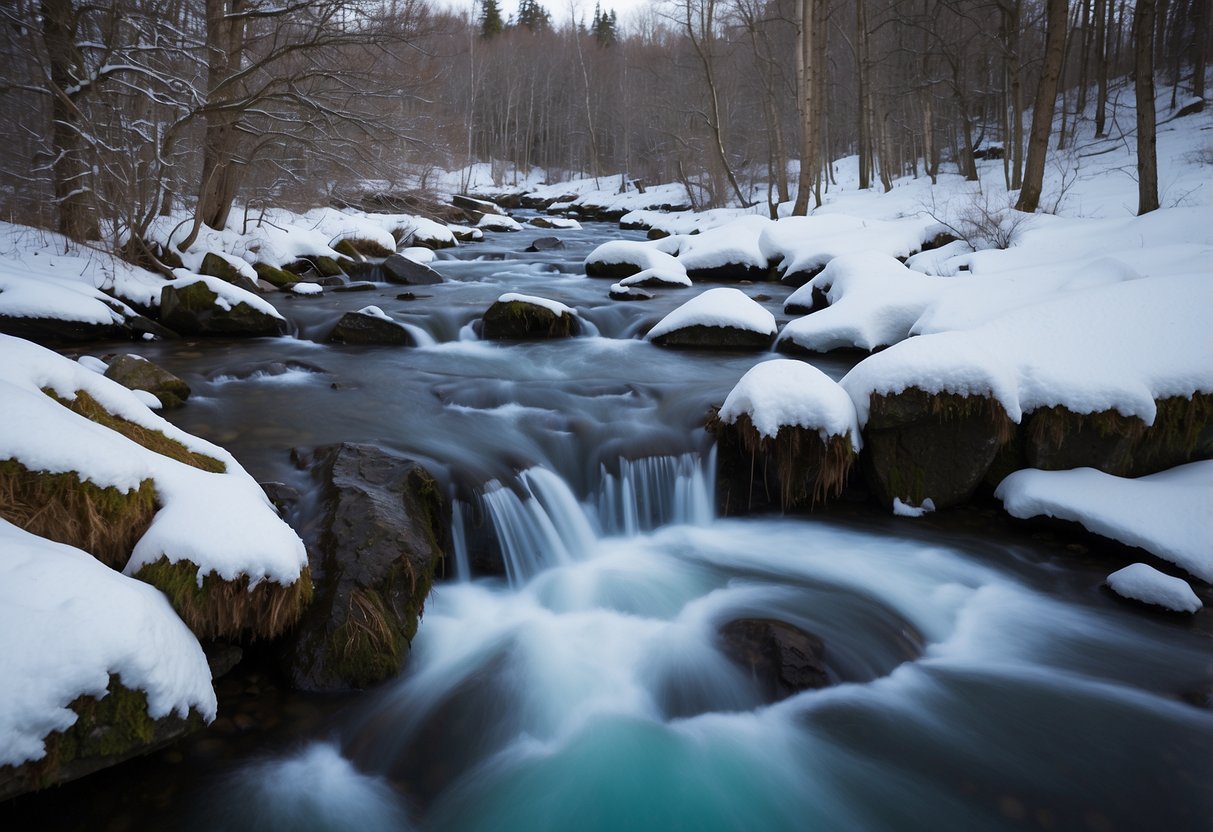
(984, 680)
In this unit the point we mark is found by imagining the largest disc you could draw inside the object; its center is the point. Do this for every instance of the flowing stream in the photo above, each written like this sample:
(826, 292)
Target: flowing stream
(979, 681)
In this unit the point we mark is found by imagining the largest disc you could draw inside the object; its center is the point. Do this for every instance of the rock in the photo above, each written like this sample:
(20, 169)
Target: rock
(400, 269)
(192, 310)
(279, 278)
(283, 496)
(137, 373)
(471, 205)
(50, 331)
(384, 527)
(619, 292)
(357, 286)
(919, 445)
(783, 660)
(515, 317)
(545, 244)
(328, 266)
(699, 337)
(215, 266)
(107, 731)
(362, 327)
(1196, 105)
(348, 249)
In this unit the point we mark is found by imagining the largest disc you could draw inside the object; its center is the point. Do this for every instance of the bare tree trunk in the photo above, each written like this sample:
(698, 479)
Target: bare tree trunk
(805, 59)
(1042, 110)
(1143, 73)
(1101, 66)
(71, 173)
(1200, 25)
(865, 96)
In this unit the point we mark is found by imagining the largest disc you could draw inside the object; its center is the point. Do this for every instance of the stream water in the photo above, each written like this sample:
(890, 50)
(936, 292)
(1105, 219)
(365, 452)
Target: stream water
(981, 683)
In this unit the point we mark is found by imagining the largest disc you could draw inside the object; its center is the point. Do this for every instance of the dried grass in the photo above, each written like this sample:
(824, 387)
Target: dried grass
(221, 609)
(105, 522)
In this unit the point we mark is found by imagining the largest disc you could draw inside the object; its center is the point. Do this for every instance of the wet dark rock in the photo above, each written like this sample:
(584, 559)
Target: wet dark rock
(920, 445)
(783, 660)
(543, 222)
(192, 310)
(137, 373)
(384, 529)
(629, 293)
(729, 273)
(222, 657)
(363, 328)
(613, 271)
(283, 496)
(545, 244)
(520, 320)
(358, 286)
(400, 269)
(474, 207)
(55, 331)
(700, 337)
(817, 302)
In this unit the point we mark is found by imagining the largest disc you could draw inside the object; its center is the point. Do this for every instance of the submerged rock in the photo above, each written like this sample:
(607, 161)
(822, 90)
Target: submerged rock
(400, 269)
(545, 244)
(384, 525)
(137, 373)
(369, 326)
(783, 660)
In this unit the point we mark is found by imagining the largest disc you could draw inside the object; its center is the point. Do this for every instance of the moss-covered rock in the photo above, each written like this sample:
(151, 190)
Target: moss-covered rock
(137, 373)
(215, 266)
(275, 276)
(384, 528)
(518, 320)
(920, 445)
(192, 309)
(107, 731)
(359, 248)
(791, 471)
(700, 337)
(361, 328)
(215, 608)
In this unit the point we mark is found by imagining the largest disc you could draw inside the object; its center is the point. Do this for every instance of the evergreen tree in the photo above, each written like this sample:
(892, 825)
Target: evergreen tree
(533, 16)
(604, 27)
(491, 23)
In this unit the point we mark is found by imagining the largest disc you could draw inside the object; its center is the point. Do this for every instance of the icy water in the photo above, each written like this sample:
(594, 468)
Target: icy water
(980, 681)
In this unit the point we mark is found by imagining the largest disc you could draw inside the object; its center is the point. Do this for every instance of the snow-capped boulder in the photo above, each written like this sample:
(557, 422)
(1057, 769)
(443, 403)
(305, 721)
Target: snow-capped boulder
(618, 259)
(408, 272)
(725, 319)
(658, 278)
(523, 317)
(137, 373)
(493, 222)
(1142, 582)
(872, 301)
(86, 463)
(619, 291)
(53, 310)
(97, 666)
(728, 253)
(198, 305)
(383, 531)
(1167, 513)
(785, 429)
(370, 325)
(554, 222)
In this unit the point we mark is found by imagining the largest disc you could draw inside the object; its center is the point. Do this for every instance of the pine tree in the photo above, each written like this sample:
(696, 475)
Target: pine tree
(533, 16)
(491, 23)
(604, 27)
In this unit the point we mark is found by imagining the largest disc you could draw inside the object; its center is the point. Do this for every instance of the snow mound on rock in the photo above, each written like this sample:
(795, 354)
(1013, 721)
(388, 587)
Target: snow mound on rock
(1144, 583)
(723, 307)
(785, 392)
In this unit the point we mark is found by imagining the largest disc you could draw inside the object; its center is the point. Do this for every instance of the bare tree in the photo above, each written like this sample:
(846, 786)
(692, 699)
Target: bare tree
(1143, 75)
(1042, 111)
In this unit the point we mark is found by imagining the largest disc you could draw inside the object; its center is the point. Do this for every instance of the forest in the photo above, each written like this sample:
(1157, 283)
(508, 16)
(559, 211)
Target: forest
(138, 107)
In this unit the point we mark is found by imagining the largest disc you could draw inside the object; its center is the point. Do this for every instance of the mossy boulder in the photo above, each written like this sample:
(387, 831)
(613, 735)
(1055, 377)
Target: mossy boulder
(361, 328)
(517, 320)
(700, 337)
(613, 271)
(920, 445)
(275, 276)
(192, 309)
(402, 270)
(107, 731)
(781, 659)
(137, 373)
(358, 248)
(791, 471)
(384, 527)
(347, 248)
(215, 266)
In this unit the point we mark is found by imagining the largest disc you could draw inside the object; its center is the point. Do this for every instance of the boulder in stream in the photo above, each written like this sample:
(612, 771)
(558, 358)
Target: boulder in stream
(545, 244)
(195, 309)
(384, 528)
(400, 269)
(524, 317)
(721, 319)
(369, 325)
(783, 660)
(137, 373)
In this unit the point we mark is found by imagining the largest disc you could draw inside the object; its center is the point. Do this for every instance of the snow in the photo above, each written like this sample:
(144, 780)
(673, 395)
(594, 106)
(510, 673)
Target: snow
(305, 288)
(497, 222)
(874, 302)
(807, 244)
(901, 509)
(1167, 513)
(229, 296)
(93, 363)
(375, 312)
(669, 276)
(555, 306)
(645, 256)
(789, 392)
(1143, 582)
(733, 244)
(223, 522)
(419, 254)
(724, 307)
(556, 222)
(1117, 347)
(66, 623)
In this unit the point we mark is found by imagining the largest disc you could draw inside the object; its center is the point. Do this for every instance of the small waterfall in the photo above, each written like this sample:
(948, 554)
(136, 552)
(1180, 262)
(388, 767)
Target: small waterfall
(656, 491)
(541, 523)
(420, 337)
